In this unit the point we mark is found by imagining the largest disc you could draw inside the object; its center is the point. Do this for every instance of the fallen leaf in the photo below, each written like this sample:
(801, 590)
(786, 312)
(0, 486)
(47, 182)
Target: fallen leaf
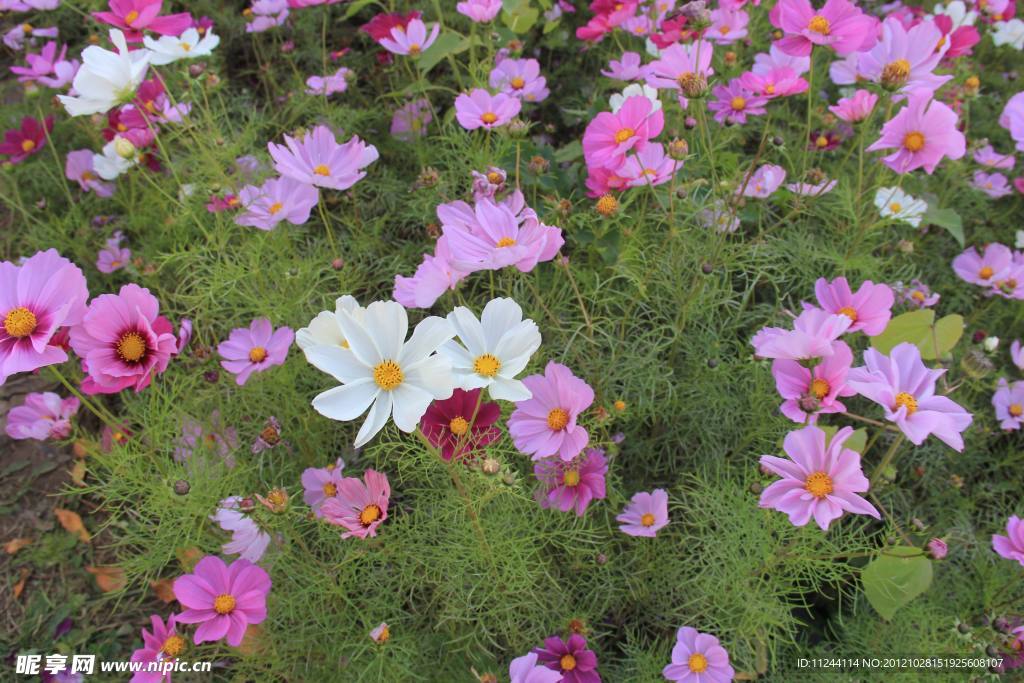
(252, 641)
(15, 544)
(72, 522)
(164, 589)
(188, 557)
(20, 586)
(78, 473)
(109, 579)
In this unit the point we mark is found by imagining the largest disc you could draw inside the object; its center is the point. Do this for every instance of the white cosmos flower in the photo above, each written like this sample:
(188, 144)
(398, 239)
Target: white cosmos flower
(106, 78)
(188, 45)
(118, 156)
(892, 202)
(618, 99)
(382, 371)
(1009, 33)
(958, 12)
(497, 348)
(325, 328)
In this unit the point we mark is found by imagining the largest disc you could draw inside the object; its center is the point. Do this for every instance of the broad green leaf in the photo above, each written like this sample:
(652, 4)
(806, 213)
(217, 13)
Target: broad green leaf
(571, 152)
(910, 327)
(855, 442)
(947, 333)
(948, 219)
(519, 16)
(446, 44)
(356, 6)
(894, 578)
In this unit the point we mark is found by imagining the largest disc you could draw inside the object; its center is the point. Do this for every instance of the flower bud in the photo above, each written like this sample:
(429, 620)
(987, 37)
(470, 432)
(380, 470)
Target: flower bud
(607, 205)
(181, 487)
(124, 148)
(678, 149)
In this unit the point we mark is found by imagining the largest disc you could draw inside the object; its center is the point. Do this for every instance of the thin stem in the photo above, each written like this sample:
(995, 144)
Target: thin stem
(887, 458)
(102, 414)
(579, 298)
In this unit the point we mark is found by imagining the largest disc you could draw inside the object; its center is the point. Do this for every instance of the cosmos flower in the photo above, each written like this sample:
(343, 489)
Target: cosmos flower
(1011, 546)
(328, 85)
(113, 257)
(855, 108)
(869, 309)
(894, 203)
(733, 103)
(629, 67)
(162, 644)
(325, 328)
(479, 109)
(645, 514)
(616, 100)
(840, 25)
(359, 506)
(812, 336)
(49, 67)
(188, 45)
(254, 349)
(223, 599)
(42, 416)
(610, 137)
(904, 59)
(411, 39)
(106, 78)
(321, 483)
(922, 133)
(411, 120)
(79, 167)
(546, 424)
(916, 294)
(318, 159)
(779, 82)
(988, 156)
(571, 658)
(520, 78)
(1008, 401)
(21, 143)
(995, 185)
(479, 11)
(525, 669)
(683, 67)
(651, 167)
(135, 16)
(764, 181)
(462, 422)
(276, 200)
(433, 277)
(698, 658)
(810, 391)
(984, 269)
(248, 540)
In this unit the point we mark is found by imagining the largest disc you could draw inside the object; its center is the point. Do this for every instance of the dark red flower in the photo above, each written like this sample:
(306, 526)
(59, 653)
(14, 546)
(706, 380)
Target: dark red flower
(21, 143)
(450, 423)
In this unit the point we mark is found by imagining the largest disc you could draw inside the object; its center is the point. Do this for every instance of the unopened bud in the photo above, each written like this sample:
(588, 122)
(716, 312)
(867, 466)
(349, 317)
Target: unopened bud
(181, 487)
(678, 149)
(124, 148)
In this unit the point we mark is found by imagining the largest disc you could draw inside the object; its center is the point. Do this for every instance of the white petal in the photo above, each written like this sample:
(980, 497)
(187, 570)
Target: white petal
(375, 421)
(410, 404)
(339, 363)
(346, 402)
(502, 389)
(499, 316)
(434, 375)
(360, 341)
(387, 323)
(430, 334)
(469, 330)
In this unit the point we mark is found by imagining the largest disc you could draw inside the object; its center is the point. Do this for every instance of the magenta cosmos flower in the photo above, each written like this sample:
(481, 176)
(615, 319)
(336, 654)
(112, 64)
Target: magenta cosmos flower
(433, 277)
(278, 199)
(698, 658)
(526, 670)
(37, 298)
(134, 16)
(817, 481)
(904, 59)
(856, 108)
(922, 133)
(123, 341)
(988, 156)
(1011, 546)
(520, 78)
(411, 39)
(545, 425)
(869, 309)
(610, 137)
(572, 484)
(162, 644)
(223, 599)
(321, 483)
(1008, 402)
(359, 506)
(812, 335)
(21, 143)
(987, 268)
(571, 657)
(764, 181)
(328, 85)
(733, 103)
(808, 392)
(479, 10)
(629, 67)
(995, 185)
(780, 81)
(480, 109)
(318, 159)
(680, 67)
(411, 120)
(254, 349)
(450, 424)
(650, 166)
(839, 24)
(905, 388)
(645, 514)
(42, 416)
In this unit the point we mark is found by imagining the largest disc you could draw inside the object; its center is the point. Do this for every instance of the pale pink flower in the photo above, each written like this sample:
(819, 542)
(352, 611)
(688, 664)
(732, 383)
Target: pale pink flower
(42, 416)
(411, 39)
(480, 109)
(318, 159)
(922, 133)
(646, 514)
(812, 336)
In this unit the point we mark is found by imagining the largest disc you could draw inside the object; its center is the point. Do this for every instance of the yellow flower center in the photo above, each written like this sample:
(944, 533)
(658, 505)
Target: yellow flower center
(738, 103)
(494, 177)
(896, 73)
(697, 663)
(558, 419)
(820, 388)
(571, 478)
(20, 322)
(769, 89)
(369, 515)
(224, 604)
(607, 205)
(28, 145)
(173, 646)
(624, 134)
(415, 49)
(986, 272)
(458, 426)
(506, 242)
(257, 354)
(647, 519)
(388, 375)
(131, 347)
(849, 312)
(26, 28)
(488, 117)
(895, 207)
(130, 17)
(686, 78)
(724, 30)
(906, 400)
(322, 169)
(917, 295)
(184, 46)
(818, 484)
(914, 141)
(517, 83)
(821, 141)
(567, 662)
(384, 635)
(819, 25)
(330, 489)
(486, 365)
(1016, 410)
(275, 207)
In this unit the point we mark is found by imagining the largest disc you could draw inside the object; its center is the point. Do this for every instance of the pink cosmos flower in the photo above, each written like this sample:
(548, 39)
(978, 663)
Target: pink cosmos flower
(779, 82)
(775, 58)
(645, 514)
(162, 644)
(922, 133)
(526, 670)
(321, 483)
(1012, 119)
(487, 185)
(266, 14)
(38, 298)
(903, 59)
(450, 424)
(1009, 404)
(223, 599)
(359, 506)
(135, 16)
(328, 85)
(214, 435)
(520, 78)
(817, 481)
(629, 67)
(916, 294)
(856, 108)
(113, 257)
(812, 336)
(434, 276)
(42, 416)
(988, 156)
(411, 39)
(764, 181)
(80, 169)
(682, 67)
(727, 25)
(545, 425)
(650, 166)
(733, 103)
(1011, 546)
(995, 185)
(985, 269)
(905, 388)
(248, 540)
(276, 200)
(21, 143)
(869, 309)
(958, 40)
(318, 159)
(839, 24)
(254, 349)
(380, 26)
(479, 11)
(571, 657)
(380, 634)
(698, 658)
(47, 62)
(813, 189)
(123, 341)
(610, 137)
(20, 34)
(1017, 354)
(480, 109)
(810, 392)
(411, 120)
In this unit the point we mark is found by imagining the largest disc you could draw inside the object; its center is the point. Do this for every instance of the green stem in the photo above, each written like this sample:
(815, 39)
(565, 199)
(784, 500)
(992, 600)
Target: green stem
(887, 458)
